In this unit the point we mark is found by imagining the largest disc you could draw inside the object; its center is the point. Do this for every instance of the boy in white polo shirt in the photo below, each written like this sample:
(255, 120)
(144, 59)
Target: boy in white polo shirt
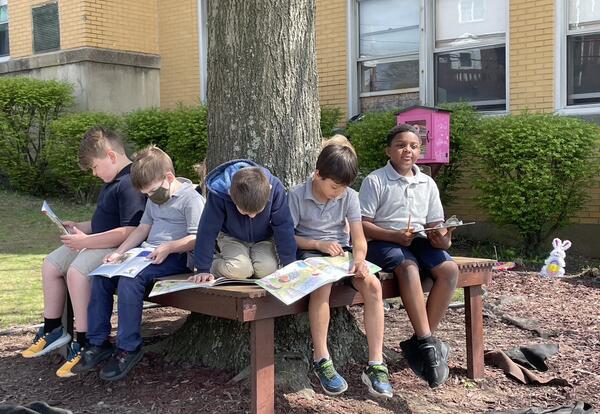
(320, 209)
(397, 201)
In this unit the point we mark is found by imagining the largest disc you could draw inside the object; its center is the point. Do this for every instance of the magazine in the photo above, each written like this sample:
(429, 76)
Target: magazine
(131, 263)
(302, 277)
(52, 216)
(164, 286)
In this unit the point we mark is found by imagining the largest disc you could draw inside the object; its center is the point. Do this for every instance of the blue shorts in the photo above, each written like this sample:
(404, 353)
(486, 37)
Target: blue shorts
(388, 255)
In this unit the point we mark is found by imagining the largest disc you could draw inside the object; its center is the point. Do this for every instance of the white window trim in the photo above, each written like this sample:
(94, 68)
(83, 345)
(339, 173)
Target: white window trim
(202, 48)
(560, 67)
(426, 61)
(7, 57)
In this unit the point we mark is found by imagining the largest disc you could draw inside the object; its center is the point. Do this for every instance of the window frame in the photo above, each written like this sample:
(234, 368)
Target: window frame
(37, 6)
(426, 55)
(561, 64)
(6, 57)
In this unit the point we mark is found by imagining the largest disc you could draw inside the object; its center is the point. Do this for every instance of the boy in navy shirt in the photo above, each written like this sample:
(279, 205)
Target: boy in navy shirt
(118, 212)
(247, 214)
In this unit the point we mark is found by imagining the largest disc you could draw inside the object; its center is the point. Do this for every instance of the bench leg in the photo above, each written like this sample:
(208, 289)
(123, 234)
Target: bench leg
(262, 371)
(474, 329)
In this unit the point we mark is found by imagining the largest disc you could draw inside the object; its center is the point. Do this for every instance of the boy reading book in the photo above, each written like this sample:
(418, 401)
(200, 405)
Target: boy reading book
(395, 200)
(118, 210)
(169, 226)
(320, 208)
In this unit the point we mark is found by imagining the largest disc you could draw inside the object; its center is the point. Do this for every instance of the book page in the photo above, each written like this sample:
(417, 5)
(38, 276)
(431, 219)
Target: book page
(53, 217)
(339, 264)
(131, 263)
(163, 287)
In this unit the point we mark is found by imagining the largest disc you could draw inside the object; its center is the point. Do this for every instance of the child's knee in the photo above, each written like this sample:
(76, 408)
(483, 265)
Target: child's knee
(265, 265)
(407, 270)
(370, 289)
(238, 268)
(447, 273)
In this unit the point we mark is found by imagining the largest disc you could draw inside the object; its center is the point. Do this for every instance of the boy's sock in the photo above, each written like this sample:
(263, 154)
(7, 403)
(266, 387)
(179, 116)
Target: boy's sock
(51, 324)
(371, 363)
(425, 339)
(81, 338)
(317, 360)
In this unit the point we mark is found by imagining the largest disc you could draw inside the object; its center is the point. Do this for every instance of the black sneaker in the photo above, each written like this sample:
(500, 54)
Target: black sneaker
(434, 361)
(428, 360)
(92, 355)
(119, 365)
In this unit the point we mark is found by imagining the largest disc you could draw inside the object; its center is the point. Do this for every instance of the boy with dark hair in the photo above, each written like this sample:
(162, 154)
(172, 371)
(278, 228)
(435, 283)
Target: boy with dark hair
(321, 208)
(118, 212)
(247, 213)
(169, 225)
(394, 198)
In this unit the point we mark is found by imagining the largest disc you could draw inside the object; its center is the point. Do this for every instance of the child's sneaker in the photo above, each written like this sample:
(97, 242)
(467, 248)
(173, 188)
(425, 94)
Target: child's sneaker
(44, 343)
(332, 382)
(73, 357)
(376, 378)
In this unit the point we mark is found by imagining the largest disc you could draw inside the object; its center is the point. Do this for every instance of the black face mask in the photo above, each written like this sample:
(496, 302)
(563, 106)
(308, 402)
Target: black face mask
(161, 195)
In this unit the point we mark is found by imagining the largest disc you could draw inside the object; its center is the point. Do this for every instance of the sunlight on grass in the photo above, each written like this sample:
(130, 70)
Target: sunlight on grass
(26, 237)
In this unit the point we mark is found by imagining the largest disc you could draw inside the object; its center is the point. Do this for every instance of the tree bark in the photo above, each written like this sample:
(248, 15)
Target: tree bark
(262, 85)
(263, 105)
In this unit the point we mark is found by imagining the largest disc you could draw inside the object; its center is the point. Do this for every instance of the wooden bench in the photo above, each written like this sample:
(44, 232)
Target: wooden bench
(254, 305)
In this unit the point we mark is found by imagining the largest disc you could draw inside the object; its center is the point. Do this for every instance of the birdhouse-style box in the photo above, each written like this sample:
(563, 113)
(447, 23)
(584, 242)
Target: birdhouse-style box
(434, 130)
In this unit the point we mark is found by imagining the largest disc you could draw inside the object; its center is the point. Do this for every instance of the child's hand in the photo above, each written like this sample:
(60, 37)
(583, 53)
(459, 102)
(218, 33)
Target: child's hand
(112, 257)
(360, 269)
(201, 278)
(405, 237)
(75, 240)
(441, 239)
(332, 248)
(159, 254)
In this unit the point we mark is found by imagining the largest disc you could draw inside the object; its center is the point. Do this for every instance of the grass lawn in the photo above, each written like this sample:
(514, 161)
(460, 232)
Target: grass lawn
(26, 237)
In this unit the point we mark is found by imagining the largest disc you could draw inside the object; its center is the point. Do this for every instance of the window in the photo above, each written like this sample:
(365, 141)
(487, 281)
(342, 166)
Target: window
(470, 53)
(583, 52)
(389, 37)
(46, 32)
(4, 46)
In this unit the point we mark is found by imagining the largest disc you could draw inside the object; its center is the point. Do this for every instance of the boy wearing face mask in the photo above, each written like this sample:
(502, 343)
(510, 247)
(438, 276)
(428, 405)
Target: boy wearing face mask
(169, 225)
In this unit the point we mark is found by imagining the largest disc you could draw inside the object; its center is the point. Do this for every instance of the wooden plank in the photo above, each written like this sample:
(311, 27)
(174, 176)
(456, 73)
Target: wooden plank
(474, 331)
(199, 302)
(262, 366)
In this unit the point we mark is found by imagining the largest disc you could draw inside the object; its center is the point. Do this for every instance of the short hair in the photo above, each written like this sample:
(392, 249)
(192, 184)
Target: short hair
(150, 165)
(338, 139)
(96, 142)
(338, 163)
(250, 189)
(399, 129)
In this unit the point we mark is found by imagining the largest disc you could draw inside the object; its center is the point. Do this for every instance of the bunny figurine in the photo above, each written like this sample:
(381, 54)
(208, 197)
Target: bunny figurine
(554, 266)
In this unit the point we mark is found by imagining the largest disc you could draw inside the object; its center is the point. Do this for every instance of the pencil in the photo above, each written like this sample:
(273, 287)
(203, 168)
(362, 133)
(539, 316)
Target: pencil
(408, 225)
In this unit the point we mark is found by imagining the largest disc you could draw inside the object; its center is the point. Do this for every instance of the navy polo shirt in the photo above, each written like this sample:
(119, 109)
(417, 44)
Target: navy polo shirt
(119, 204)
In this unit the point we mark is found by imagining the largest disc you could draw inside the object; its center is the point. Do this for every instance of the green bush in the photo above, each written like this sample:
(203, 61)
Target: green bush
(187, 139)
(147, 126)
(535, 171)
(63, 148)
(330, 118)
(27, 107)
(368, 137)
(465, 127)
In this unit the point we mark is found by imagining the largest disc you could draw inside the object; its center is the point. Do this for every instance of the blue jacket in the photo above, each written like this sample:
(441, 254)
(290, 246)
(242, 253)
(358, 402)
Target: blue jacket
(221, 215)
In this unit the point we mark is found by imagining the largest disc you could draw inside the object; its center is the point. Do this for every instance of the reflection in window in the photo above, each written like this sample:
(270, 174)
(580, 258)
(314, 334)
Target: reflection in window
(4, 45)
(583, 69)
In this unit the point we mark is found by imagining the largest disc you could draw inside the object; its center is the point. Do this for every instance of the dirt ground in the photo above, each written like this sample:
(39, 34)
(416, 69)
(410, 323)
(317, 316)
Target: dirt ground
(568, 306)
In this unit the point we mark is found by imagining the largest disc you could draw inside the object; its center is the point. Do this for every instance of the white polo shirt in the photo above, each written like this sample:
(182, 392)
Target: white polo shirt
(388, 198)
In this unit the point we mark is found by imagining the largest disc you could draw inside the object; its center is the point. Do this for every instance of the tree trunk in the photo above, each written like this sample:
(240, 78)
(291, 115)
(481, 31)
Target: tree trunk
(263, 105)
(262, 85)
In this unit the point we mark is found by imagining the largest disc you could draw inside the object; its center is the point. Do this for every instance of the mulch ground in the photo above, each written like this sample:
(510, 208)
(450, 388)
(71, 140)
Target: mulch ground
(568, 307)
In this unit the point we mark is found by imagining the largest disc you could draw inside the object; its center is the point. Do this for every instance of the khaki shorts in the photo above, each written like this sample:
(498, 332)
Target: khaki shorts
(84, 261)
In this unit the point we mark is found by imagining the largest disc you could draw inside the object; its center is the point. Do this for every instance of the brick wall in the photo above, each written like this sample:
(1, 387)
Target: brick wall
(178, 45)
(531, 50)
(332, 52)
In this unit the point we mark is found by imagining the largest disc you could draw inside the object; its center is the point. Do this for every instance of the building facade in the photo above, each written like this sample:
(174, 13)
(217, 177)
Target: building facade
(501, 55)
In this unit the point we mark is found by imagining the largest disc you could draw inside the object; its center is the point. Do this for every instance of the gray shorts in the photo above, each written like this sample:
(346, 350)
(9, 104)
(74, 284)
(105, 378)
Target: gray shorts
(83, 261)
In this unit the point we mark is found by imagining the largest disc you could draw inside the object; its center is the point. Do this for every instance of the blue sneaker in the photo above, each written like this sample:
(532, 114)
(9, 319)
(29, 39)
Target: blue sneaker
(376, 378)
(332, 382)
(44, 343)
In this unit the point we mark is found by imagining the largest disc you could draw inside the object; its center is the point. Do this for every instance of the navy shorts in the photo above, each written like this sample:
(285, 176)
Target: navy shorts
(388, 255)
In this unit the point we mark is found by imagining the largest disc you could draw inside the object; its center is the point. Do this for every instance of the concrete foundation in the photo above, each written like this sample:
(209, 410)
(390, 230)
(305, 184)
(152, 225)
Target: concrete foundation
(104, 80)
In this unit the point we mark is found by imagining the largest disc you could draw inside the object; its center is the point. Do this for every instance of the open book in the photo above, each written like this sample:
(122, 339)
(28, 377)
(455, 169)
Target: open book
(302, 277)
(131, 263)
(451, 222)
(50, 214)
(164, 286)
